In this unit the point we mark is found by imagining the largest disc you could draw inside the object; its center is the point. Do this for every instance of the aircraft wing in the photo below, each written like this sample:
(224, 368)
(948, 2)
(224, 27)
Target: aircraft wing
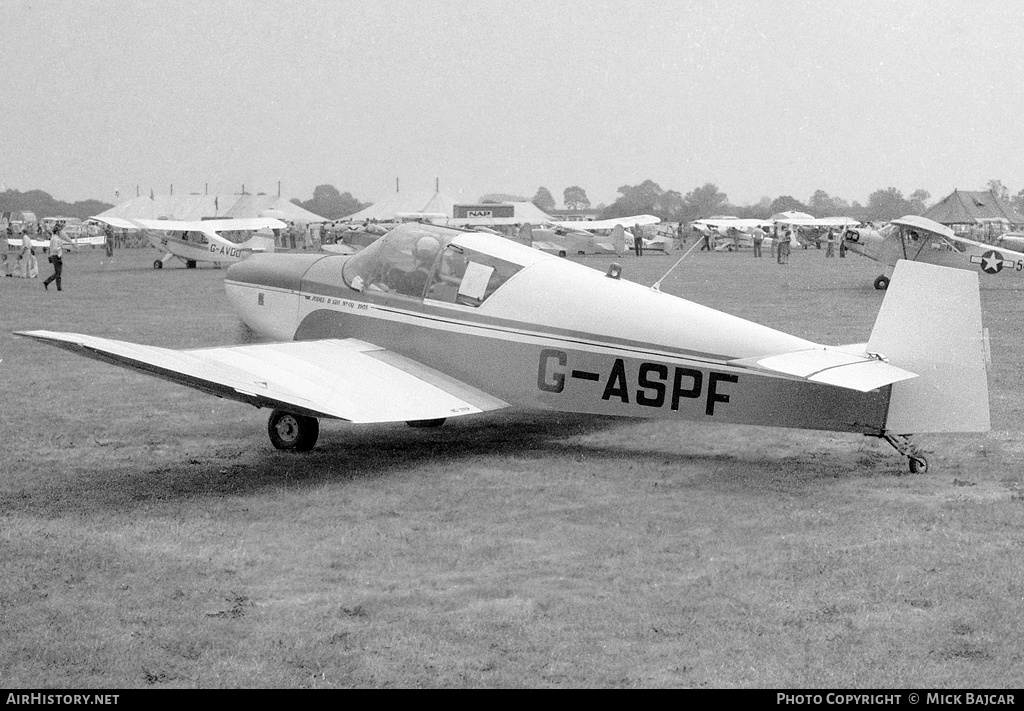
(833, 366)
(344, 379)
(118, 222)
(587, 225)
(234, 223)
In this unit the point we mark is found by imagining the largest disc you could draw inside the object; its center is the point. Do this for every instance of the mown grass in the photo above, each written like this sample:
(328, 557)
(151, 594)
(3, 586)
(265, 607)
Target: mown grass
(150, 536)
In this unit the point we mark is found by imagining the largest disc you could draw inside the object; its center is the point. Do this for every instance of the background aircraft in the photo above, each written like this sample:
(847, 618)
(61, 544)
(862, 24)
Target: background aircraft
(920, 239)
(429, 323)
(194, 241)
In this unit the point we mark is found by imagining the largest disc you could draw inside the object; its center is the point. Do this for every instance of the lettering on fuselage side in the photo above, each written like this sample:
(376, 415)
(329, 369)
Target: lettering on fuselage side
(654, 386)
(227, 251)
(549, 378)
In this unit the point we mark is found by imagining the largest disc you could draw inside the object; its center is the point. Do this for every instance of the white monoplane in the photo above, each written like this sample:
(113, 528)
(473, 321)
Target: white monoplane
(922, 240)
(194, 241)
(430, 322)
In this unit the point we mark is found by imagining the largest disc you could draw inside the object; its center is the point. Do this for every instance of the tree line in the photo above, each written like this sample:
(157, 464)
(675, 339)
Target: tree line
(646, 198)
(44, 205)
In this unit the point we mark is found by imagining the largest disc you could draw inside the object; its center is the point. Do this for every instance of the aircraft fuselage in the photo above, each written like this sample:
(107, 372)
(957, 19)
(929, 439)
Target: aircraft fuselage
(594, 345)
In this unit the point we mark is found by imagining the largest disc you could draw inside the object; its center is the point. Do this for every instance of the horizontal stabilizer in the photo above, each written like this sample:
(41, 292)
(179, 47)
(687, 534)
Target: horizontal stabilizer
(833, 367)
(344, 379)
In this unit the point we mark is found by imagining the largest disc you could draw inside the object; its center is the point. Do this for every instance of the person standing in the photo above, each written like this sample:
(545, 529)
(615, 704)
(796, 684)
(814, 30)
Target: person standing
(29, 264)
(782, 251)
(108, 239)
(638, 240)
(57, 242)
(757, 236)
(830, 244)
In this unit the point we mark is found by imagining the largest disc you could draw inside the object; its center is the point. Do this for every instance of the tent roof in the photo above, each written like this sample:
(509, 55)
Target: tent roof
(197, 207)
(407, 201)
(971, 207)
(528, 212)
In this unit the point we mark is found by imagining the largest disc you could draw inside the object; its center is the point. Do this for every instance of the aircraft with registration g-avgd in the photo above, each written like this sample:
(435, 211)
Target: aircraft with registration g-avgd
(430, 323)
(223, 240)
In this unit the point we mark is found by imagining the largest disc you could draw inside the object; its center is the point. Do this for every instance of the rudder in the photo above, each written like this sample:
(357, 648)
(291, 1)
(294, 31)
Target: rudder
(930, 324)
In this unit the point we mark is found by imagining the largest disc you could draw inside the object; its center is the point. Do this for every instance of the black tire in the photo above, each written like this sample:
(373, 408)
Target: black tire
(158, 264)
(291, 432)
(426, 423)
(918, 465)
(561, 253)
(190, 264)
(882, 283)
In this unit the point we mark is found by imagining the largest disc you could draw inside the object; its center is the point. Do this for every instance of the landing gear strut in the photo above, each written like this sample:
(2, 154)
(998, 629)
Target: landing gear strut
(916, 461)
(288, 431)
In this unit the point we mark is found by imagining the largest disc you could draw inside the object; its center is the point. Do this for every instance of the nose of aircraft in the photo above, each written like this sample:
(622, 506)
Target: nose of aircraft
(863, 241)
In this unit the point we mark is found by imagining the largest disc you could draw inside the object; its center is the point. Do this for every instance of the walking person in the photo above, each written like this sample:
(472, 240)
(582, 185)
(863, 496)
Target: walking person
(705, 239)
(57, 243)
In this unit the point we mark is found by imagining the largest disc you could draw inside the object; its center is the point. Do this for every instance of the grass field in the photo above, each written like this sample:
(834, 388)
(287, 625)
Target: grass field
(150, 536)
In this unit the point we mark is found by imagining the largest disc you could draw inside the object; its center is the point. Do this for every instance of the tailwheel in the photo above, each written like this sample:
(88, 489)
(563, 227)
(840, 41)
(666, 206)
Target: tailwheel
(426, 423)
(916, 461)
(288, 431)
(882, 283)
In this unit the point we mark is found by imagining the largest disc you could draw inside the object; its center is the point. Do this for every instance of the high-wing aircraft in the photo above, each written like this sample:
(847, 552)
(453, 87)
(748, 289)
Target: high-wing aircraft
(922, 240)
(600, 225)
(565, 241)
(430, 322)
(194, 241)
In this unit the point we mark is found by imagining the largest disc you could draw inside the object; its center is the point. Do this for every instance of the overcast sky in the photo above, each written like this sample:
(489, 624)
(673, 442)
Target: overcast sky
(761, 99)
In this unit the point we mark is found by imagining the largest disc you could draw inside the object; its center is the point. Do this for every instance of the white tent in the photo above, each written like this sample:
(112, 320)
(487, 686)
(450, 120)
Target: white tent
(198, 207)
(406, 202)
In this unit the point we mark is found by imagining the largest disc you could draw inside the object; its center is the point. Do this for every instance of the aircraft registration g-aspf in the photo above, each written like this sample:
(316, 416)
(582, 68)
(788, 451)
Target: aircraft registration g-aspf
(922, 240)
(193, 241)
(431, 322)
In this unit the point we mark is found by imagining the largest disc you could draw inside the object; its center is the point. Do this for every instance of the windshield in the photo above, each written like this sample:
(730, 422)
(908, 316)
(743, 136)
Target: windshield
(417, 260)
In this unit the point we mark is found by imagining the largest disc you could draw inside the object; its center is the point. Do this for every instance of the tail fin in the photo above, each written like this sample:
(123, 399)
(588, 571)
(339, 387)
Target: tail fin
(619, 239)
(525, 235)
(930, 324)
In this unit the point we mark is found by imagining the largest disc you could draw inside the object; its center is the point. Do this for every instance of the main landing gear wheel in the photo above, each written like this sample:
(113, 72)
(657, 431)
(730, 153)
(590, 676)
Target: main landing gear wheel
(918, 465)
(882, 283)
(190, 264)
(426, 423)
(288, 431)
(158, 264)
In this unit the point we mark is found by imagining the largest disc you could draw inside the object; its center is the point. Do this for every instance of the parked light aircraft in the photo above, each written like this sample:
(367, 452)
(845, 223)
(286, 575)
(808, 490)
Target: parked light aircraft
(431, 322)
(193, 241)
(922, 240)
(573, 241)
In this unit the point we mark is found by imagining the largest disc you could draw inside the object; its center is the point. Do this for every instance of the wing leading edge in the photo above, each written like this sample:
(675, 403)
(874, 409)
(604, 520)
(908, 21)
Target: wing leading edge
(343, 379)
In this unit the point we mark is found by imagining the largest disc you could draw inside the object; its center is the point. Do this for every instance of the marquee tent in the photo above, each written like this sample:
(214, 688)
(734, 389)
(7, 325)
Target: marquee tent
(405, 202)
(198, 207)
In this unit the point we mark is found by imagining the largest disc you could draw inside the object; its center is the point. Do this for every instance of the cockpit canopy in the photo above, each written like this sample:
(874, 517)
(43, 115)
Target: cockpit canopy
(423, 261)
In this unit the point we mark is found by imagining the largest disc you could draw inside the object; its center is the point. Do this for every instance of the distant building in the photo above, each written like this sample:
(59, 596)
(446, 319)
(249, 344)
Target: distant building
(965, 208)
(574, 215)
